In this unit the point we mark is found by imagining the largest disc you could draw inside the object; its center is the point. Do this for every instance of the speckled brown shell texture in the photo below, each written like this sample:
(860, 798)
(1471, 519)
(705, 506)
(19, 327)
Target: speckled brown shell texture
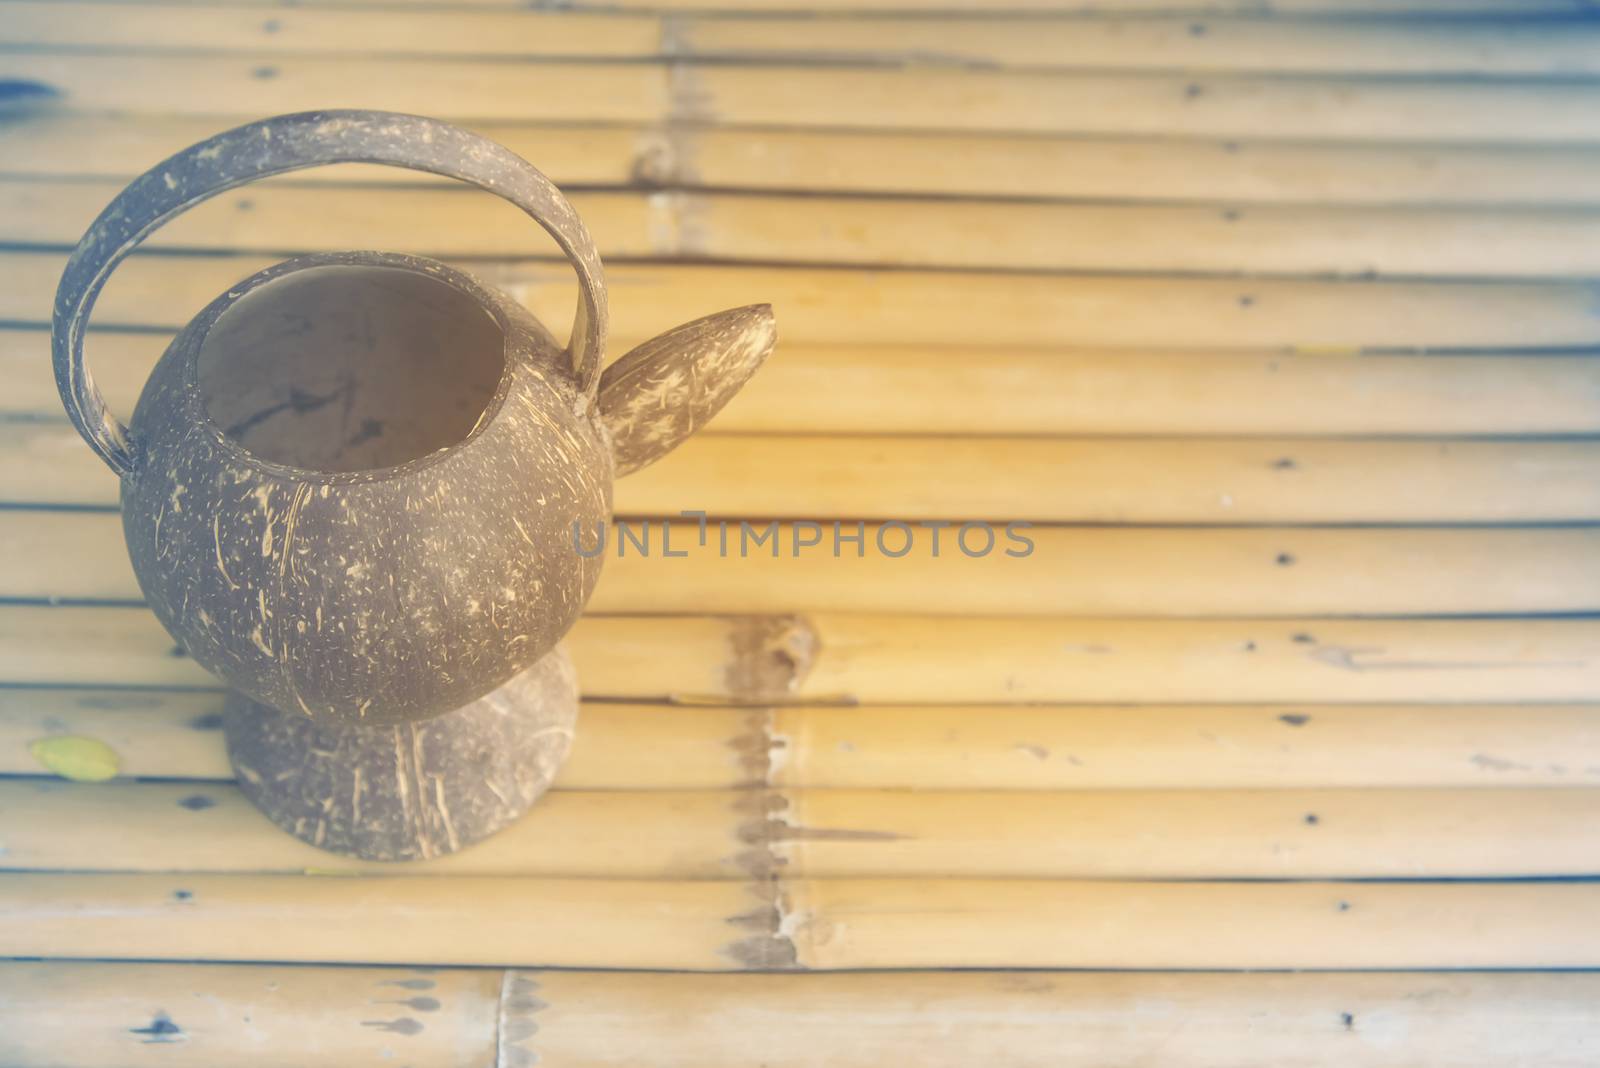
(409, 791)
(377, 596)
(660, 393)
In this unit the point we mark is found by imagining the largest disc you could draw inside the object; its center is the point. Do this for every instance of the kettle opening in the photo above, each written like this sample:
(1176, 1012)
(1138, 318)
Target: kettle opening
(351, 367)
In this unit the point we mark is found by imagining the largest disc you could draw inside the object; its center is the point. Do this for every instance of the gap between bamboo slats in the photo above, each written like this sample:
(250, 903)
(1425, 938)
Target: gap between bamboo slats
(1013, 391)
(102, 1015)
(1002, 480)
(55, 144)
(50, 825)
(871, 659)
(1152, 42)
(177, 735)
(1097, 571)
(915, 97)
(825, 307)
(821, 924)
(1430, 242)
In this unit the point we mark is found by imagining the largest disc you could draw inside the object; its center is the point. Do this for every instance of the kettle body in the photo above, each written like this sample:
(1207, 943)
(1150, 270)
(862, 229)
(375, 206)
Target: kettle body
(358, 479)
(356, 484)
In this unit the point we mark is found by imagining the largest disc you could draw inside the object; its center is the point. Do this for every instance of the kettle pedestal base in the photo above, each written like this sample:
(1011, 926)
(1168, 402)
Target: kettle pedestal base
(412, 791)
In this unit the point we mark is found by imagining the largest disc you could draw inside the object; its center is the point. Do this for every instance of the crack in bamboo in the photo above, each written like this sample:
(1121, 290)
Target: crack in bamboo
(514, 1020)
(762, 861)
(756, 748)
(765, 824)
(771, 946)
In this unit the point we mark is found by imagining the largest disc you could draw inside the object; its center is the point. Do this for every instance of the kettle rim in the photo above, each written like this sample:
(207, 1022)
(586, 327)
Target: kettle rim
(194, 337)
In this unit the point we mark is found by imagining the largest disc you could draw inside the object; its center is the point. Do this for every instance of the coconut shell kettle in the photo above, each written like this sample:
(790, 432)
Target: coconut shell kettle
(352, 487)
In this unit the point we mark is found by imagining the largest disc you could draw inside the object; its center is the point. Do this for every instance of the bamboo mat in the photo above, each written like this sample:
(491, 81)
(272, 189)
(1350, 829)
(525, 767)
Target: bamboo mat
(1276, 319)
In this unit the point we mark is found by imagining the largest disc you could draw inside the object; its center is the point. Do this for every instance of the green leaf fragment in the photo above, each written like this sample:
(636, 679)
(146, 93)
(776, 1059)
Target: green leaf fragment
(76, 757)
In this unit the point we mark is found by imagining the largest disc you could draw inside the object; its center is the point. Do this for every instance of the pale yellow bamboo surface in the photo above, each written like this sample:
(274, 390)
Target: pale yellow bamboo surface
(913, 97)
(882, 389)
(1098, 571)
(335, 1017)
(58, 143)
(1270, 239)
(174, 734)
(925, 659)
(840, 306)
(998, 479)
(795, 834)
(1153, 43)
(717, 925)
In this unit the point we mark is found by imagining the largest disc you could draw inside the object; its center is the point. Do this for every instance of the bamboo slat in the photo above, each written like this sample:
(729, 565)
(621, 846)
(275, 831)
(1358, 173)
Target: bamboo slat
(655, 924)
(259, 1016)
(1111, 571)
(634, 834)
(901, 389)
(923, 98)
(1364, 242)
(1155, 747)
(1494, 47)
(1066, 480)
(828, 307)
(1113, 167)
(884, 659)
(118, 1016)
(154, 733)
(1127, 481)
(951, 390)
(212, 827)
(55, 144)
(929, 660)
(1440, 242)
(1157, 43)
(713, 925)
(50, 142)
(164, 27)
(176, 735)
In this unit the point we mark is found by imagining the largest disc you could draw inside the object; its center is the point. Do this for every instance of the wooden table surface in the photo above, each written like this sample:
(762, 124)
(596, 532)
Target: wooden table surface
(1272, 324)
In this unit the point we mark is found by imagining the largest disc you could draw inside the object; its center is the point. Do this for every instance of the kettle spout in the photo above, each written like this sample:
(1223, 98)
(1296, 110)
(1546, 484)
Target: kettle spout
(670, 386)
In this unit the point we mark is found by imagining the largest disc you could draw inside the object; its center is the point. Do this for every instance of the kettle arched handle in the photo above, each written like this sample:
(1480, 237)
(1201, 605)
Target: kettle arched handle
(291, 143)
